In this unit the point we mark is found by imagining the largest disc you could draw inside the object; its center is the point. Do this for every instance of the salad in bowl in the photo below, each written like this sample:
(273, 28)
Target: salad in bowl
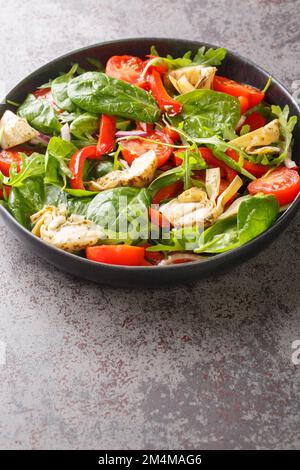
(147, 161)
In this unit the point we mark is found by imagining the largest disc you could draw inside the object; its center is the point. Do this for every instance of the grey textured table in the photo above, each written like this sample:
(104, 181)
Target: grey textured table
(207, 365)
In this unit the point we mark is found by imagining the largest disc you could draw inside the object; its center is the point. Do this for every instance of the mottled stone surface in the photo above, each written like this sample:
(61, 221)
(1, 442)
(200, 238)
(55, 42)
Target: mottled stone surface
(191, 367)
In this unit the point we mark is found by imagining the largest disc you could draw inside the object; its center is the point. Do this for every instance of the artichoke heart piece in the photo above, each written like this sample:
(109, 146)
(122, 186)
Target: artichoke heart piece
(266, 135)
(212, 182)
(192, 77)
(268, 149)
(192, 207)
(139, 175)
(71, 234)
(15, 130)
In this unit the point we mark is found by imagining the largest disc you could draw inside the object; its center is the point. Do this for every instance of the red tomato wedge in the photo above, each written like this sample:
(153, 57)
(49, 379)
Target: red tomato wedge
(157, 218)
(174, 135)
(226, 85)
(7, 158)
(255, 120)
(283, 183)
(127, 68)
(124, 255)
(254, 168)
(136, 147)
(167, 192)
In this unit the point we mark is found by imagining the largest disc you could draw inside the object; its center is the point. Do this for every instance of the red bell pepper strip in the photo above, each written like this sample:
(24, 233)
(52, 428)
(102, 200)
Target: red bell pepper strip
(76, 164)
(164, 101)
(107, 133)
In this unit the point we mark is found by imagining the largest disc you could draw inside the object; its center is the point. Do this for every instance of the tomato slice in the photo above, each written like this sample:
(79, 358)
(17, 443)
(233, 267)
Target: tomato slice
(125, 255)
(7, 158)
(255, 169)
(168, 192)
(226, 85)
(136, 147)
(283, 183)
(127, 68)
(255, 120)
(174, 135)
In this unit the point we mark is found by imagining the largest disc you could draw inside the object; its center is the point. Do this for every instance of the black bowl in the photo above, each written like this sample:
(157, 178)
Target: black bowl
(235, 67)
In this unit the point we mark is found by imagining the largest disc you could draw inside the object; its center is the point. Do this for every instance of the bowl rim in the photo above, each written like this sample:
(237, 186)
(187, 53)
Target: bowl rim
(210, 261)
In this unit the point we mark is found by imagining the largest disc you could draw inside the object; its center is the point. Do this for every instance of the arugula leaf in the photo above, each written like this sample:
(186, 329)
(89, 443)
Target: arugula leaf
(57, 157)
(286, 128)
(96, 63)
(40, 115)
(191, 160)
(30, 167)
(183, 239)
(211, 57)
(122, 213)
(97, 93)
(84, 126)
(59, 89)
(208, 112)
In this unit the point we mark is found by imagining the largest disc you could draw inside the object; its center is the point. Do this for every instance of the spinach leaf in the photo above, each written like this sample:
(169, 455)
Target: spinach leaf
(222, 236)
(208, 112)
(59, 88)
(84, 126)
(97, 93)
(100, 168)
(40, 115)
(183, 239)
(33, 195)
(122, 213)
(58, 155)
(211, 57)
(26, 200)
(255, 215)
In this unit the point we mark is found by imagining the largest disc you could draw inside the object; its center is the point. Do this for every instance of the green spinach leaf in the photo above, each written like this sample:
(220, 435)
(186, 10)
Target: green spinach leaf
(84, 126)
(208, 112)
(40, 115)
(58, 155)
(97, 93)
(59, 88)
(122, 213)
(255, 215)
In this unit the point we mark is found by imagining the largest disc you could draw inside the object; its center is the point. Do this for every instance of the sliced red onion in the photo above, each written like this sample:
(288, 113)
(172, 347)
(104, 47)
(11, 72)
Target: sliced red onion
(178, 258)
(241, 121)
(143, 126)
(65, 132)
(134, 133)
(40, 139)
